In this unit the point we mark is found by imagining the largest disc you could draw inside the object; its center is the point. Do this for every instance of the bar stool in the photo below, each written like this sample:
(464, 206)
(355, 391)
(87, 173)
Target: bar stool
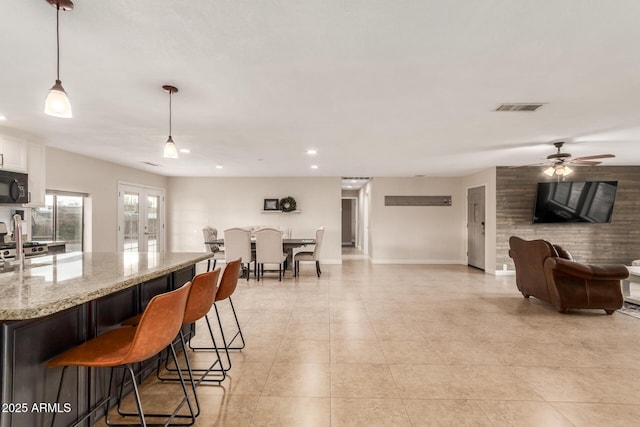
(201, 298)
(122, 347)
(227, 286)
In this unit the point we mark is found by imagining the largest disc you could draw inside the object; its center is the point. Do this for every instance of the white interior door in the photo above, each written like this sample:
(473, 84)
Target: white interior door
(475, 226)
(141, 219)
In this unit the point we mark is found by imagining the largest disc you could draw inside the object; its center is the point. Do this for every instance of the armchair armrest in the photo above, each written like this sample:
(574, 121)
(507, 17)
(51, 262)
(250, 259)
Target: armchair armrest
(586, 271)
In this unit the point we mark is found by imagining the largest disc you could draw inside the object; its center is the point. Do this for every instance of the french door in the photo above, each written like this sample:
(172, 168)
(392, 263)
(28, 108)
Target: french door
(141, 219)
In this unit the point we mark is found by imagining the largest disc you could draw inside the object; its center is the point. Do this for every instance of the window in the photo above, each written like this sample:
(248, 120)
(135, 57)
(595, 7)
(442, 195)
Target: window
(61, 219)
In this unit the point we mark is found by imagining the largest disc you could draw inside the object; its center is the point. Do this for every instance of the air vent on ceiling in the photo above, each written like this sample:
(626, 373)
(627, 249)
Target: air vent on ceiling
(151, 164)
(519, 107)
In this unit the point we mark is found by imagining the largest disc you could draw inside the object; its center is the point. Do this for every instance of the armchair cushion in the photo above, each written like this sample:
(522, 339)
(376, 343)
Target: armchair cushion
(585, 271)
(562, 252)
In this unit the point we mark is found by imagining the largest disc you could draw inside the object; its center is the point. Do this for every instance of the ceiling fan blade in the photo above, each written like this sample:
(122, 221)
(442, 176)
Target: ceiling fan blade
(597, 156)
(530, 164)
(578, 162)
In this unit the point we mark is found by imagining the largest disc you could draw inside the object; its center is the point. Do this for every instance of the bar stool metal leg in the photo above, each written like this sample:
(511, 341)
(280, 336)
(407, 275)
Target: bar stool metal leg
(169, 417)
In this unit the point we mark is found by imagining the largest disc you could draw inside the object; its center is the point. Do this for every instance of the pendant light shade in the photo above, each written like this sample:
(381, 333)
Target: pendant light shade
(170, 149)
(57, 103)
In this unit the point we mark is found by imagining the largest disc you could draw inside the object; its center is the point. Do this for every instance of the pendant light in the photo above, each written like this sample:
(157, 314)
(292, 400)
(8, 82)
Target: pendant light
(170, 150)
(57, 103)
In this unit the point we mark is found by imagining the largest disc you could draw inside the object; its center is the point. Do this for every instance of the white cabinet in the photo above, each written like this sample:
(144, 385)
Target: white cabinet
(13, 154)
(37, 174)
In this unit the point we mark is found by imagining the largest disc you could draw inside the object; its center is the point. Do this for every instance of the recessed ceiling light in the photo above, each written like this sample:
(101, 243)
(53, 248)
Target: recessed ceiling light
(314, 166)
(312, 152)
(2, 117)
(185, 150)
(219, 166)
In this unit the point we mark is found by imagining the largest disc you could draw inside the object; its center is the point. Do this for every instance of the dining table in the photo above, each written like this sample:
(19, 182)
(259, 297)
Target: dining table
(288, 245)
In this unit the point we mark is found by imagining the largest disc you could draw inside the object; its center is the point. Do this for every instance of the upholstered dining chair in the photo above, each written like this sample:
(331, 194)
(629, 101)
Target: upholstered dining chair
(237, 244)
(310, 256)
(269, 250)
(127, 345)
(210, 234)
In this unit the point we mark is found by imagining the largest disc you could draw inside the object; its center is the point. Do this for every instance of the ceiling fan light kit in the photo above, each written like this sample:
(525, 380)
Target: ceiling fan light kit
(170, 149)
(57, 103)
(560, 170)
(562, 160)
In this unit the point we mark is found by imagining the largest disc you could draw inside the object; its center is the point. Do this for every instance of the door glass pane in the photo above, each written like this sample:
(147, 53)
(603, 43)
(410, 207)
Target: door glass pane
(131, 218)
(153, 208)
(42, 220)
(69, 221)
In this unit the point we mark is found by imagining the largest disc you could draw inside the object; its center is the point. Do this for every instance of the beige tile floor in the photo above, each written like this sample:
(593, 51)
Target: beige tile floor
(398, 345)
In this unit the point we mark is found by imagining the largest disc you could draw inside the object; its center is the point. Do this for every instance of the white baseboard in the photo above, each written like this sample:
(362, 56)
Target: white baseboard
(504, 272)
(418, 261)
(330, 261)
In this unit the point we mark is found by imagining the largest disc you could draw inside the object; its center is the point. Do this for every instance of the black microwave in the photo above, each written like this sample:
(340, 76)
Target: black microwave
(14, 187)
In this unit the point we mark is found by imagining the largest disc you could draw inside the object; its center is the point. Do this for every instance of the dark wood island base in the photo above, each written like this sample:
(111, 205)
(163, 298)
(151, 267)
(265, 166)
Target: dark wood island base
(29, 388)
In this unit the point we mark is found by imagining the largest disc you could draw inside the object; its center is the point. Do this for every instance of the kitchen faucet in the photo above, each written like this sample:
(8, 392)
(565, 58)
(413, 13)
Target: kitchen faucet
(17, 236)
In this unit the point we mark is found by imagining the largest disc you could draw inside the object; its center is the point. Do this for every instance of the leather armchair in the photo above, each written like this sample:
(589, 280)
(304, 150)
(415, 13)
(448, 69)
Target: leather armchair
(541, 272)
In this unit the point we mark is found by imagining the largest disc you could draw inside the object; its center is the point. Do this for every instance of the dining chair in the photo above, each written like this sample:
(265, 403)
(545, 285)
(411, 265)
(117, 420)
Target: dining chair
(237, 244)
(126, 346)
(310, 256)
(210, 234)
(286, 232)
(269, 250)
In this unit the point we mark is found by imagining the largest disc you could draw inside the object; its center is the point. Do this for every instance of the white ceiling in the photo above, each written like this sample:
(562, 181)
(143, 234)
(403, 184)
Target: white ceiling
(377, 87)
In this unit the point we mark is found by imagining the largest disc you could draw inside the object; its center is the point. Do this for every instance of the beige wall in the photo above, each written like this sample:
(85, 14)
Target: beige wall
(72, 172)
(417, 234)
(235, 202)
(397, 234)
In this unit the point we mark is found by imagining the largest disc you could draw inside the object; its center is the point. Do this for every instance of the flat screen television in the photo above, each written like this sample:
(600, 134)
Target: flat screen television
(581, 201)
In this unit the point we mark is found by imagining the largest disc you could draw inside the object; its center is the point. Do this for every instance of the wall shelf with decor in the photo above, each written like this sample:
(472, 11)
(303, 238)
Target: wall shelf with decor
(285, 205)
(280, 212)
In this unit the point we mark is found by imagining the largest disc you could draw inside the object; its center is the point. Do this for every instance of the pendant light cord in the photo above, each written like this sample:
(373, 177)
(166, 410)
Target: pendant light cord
(58, 39)
(169, 113)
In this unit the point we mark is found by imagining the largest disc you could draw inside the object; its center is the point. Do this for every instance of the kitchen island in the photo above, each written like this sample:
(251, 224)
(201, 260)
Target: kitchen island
(56, 302)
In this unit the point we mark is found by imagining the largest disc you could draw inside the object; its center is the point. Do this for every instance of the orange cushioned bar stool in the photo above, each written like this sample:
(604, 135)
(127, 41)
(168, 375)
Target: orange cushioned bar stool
(200, 301)
(122, 347)
(227, 286)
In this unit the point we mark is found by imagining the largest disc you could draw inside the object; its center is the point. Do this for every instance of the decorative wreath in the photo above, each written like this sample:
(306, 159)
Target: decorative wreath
(288, 204)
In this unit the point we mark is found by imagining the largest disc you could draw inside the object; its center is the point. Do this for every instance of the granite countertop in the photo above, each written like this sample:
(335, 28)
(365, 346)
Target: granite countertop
(53, 283)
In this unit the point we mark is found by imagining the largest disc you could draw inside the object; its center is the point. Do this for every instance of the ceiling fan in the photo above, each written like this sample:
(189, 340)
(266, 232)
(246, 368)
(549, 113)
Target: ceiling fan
(561, 161)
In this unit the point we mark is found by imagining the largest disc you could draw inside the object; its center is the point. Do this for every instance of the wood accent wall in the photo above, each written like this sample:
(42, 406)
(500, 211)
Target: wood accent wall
(613, 243)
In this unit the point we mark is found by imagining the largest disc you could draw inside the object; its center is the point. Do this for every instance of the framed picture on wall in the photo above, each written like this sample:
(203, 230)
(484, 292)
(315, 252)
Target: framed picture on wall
(271, 205)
